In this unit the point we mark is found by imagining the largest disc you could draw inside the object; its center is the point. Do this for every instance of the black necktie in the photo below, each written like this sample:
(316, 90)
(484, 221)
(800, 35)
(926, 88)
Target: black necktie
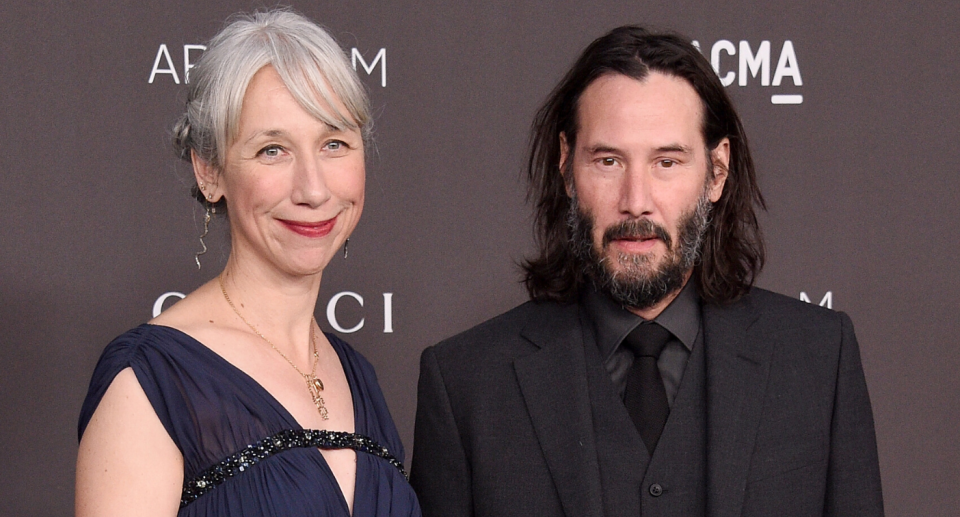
(645, 397)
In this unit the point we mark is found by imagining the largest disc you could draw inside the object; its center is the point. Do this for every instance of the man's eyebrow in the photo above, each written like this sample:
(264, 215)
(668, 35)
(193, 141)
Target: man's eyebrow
(674, 148)
(601, 149)
(669, 148)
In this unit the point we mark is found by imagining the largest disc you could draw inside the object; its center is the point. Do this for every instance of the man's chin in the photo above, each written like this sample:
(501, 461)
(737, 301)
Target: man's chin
(638, 266)
(630, 273)
(638, 281)
(631, 278)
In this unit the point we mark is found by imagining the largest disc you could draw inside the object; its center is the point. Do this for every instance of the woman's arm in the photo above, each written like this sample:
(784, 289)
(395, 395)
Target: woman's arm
(127, 464)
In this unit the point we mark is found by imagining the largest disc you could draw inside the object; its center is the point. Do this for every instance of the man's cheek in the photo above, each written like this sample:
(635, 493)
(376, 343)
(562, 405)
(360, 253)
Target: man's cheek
(598, 240)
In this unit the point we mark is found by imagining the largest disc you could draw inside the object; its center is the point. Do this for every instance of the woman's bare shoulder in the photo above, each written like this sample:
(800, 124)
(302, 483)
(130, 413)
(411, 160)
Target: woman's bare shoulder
(123, 437)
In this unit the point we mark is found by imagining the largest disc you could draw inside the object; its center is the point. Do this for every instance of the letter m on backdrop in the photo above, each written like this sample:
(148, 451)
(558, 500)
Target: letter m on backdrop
(826, 301)
(380, 58)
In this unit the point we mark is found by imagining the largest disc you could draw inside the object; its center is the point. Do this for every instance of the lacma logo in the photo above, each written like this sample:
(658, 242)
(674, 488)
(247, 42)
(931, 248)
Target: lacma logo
(163, 63)
(744, 63)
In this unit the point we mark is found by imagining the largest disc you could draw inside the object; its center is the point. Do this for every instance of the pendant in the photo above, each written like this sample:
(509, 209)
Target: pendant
(315, 386)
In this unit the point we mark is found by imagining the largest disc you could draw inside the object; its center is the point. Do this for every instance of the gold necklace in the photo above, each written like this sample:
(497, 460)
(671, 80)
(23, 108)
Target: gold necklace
(314, 384)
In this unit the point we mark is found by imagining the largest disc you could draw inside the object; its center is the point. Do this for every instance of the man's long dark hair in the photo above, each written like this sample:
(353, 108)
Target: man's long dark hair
(732, 253)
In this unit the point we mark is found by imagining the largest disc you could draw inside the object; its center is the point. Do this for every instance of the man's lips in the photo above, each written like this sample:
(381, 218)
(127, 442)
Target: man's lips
(638, 244)
(636, 238)
(310, 229)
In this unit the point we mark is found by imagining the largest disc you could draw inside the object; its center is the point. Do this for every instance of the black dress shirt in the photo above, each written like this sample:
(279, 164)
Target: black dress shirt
(611, 323)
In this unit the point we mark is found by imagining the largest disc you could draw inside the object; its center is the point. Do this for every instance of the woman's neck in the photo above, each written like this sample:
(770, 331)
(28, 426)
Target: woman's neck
(279, 306)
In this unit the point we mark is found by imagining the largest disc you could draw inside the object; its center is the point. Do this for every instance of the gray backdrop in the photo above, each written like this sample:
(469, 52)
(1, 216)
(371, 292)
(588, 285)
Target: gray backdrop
(97, 222)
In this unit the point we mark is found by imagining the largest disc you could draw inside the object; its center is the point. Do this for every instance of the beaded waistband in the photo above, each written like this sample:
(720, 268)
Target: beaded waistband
(250, 455)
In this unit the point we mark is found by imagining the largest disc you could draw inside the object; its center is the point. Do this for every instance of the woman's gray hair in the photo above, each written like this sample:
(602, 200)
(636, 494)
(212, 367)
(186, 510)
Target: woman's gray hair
(308, 60)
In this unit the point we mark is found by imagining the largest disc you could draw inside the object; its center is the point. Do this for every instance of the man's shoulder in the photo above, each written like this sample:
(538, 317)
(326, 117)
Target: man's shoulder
(771, 303)
(504, 334)
(773, 312)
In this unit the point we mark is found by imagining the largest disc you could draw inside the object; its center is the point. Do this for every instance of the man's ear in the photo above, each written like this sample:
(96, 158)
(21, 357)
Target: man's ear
(207, 177)
(564, 155)
(720, 157)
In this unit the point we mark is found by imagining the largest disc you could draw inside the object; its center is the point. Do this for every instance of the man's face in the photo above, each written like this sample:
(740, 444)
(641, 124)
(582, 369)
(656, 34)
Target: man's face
(641, 184)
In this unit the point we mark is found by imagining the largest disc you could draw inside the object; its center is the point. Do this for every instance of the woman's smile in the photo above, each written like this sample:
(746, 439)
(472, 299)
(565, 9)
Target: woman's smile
(310, 229)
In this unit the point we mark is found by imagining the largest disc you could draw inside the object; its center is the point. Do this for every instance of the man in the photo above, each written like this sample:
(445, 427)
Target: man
(646, 376)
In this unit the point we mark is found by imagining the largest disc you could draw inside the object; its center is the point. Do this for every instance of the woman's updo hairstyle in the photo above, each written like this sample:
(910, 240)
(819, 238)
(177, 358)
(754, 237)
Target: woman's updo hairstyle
(308, 60)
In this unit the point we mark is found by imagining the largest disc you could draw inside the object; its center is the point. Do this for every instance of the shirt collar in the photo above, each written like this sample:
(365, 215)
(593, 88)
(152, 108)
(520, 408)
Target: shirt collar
(611, 322)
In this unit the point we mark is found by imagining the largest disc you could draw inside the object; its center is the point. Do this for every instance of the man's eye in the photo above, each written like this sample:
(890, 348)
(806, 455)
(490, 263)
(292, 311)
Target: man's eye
(608, 162)
(666, 164)
(335, 145)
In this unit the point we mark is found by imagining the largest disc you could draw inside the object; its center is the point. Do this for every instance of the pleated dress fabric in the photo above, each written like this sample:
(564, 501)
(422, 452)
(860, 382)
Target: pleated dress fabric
(212, 410)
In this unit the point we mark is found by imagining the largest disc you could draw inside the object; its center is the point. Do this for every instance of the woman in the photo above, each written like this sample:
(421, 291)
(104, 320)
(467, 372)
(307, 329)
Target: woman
(206, 409)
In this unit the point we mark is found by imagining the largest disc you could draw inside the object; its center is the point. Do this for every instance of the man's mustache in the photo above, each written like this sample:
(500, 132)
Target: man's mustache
(636, 229)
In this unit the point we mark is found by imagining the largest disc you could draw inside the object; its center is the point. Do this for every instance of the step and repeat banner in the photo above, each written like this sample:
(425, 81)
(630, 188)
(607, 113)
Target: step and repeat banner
(851, 107)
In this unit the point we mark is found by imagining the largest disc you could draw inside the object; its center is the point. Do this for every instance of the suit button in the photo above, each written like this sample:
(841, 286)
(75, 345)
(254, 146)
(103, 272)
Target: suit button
(656, 490)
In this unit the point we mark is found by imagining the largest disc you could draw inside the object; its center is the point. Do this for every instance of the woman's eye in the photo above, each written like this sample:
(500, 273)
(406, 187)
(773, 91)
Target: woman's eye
(335, 145)
(272, 151)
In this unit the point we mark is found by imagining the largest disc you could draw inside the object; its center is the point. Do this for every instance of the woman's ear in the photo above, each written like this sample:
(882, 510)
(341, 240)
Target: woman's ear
(207, 176)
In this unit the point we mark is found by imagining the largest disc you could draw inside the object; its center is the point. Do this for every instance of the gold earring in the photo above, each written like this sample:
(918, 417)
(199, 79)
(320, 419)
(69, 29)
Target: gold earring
(211, 210)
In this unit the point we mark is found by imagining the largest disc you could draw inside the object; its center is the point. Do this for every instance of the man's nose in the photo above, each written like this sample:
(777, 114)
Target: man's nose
(636, 198)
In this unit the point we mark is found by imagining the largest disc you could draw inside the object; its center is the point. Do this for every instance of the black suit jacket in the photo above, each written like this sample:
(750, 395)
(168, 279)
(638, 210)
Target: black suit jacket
(505, 425)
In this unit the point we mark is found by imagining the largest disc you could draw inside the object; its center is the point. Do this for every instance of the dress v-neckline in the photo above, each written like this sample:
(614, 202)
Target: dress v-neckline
(280, 408)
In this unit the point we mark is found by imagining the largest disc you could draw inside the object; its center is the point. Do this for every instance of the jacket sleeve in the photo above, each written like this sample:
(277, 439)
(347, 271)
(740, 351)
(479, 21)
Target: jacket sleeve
(440, 472)
(853, 478)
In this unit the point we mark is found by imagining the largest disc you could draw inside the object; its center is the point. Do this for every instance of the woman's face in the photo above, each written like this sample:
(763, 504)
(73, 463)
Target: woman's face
(294, 185)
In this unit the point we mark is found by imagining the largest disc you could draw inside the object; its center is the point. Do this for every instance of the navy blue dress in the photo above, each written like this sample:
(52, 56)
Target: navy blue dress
(213, 410)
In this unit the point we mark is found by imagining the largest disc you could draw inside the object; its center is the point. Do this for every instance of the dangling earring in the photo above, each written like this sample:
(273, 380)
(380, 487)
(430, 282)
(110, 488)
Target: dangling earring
(345, 244)
(203, 188)
(211, 210)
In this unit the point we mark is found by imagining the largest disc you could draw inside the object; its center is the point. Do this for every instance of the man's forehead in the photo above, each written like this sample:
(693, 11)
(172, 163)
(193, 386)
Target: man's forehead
(664, 111)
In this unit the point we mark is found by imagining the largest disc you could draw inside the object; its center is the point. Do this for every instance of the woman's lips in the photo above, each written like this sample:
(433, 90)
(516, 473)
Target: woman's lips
(308, 229)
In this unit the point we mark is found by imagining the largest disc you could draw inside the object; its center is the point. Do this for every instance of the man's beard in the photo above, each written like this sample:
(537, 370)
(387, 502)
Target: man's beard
(634, 284)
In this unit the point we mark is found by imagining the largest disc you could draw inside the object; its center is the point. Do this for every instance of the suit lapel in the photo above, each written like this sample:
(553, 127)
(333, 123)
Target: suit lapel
(553, 384)
(738, 366)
